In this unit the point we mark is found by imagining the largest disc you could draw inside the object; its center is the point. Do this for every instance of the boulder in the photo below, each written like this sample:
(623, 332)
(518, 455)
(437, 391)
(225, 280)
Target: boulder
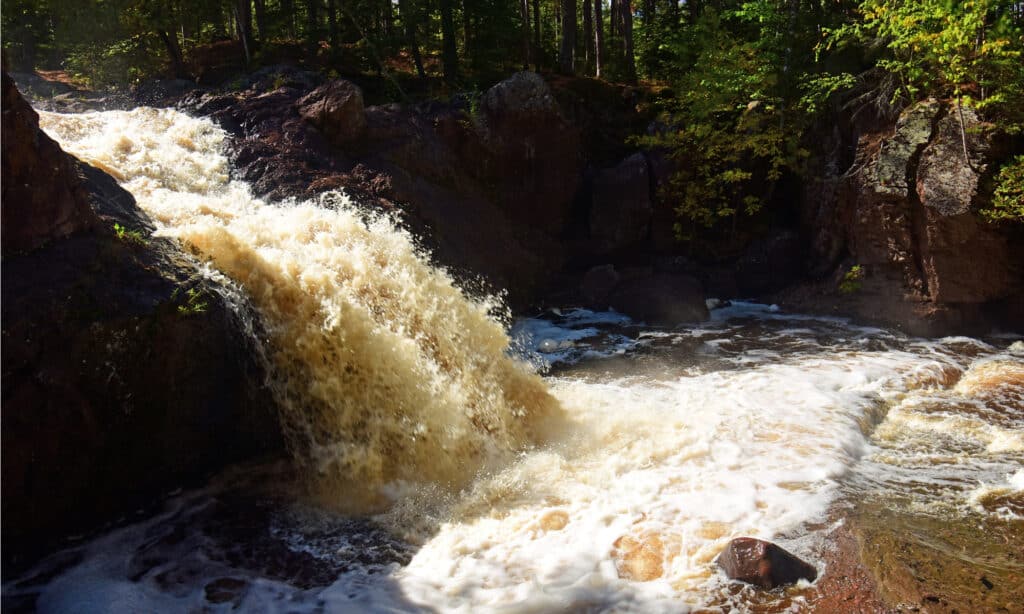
(125, 372)
(661, 298)
(770, 263)
(44, 198)
(336, 109)
(964, 258)
(533, 160)
(763, 564)
(598, 283)
(620, 212)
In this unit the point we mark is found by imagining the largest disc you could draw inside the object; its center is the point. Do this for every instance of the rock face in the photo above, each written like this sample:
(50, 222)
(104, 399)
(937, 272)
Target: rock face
(125, 372)
(43, 198)
(620, 212)
(533, 160)
(337, 110)
(906, 213)
(661, 298)
(763, 564)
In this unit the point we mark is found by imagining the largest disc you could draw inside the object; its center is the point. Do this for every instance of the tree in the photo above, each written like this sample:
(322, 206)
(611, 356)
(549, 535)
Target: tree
(567, 52)
(449, 55)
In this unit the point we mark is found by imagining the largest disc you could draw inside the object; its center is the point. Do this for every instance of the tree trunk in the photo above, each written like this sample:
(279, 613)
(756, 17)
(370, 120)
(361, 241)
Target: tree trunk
(332, 23)
(598, 38)
(567, 53)
(693, 8)
(648, 13)
(312, 27)
(588, 34)
(261, 19)
(243, 24)
(627, 40)
(467, 31)
(536, 35)
(524, 12)
(409, 25)
(613, 18)
(174, 53)
(449, 55)
(288, 9)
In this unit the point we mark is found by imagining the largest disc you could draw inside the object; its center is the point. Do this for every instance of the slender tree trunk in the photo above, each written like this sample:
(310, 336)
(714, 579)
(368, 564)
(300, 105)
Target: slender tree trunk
(613, 18)
(288, 10)
(536, 35)
(524, 13)
(598, 38)
(174, 53)
(409, 25)
(648, 13)
(332, 23)
(567, 53)
(312, 27)
(627, 40)
(261, 19)
(243, 24)
(449, 54)
(588, 34)
(693, 8)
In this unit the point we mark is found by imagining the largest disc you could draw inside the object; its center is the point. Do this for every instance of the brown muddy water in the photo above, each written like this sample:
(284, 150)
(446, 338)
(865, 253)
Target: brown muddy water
(580, 462)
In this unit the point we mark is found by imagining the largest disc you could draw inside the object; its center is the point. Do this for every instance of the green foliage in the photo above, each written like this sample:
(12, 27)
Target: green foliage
(732, 132)
(133, 237)
(851, 281)
(194, 304)
(970, 49)
(1008, 197)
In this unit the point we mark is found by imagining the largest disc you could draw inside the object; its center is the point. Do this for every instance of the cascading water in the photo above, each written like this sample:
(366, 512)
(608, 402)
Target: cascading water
(386, 372)
(610, 487)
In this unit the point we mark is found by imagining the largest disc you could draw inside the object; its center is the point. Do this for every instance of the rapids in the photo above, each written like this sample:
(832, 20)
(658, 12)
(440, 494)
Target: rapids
(467, 482)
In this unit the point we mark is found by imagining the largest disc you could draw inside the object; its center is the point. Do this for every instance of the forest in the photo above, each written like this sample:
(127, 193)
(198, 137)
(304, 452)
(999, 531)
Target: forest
(740, 81)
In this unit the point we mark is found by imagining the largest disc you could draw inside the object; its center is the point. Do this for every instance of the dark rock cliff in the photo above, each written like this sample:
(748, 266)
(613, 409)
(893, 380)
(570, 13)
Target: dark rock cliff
(125, 372)
(905, 211)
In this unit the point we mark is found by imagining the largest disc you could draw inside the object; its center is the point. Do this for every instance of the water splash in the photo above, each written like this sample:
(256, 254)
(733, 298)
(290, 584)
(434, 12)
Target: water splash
(385, 371)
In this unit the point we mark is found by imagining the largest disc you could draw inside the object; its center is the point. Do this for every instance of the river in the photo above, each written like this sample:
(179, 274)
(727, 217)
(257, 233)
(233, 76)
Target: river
(449, 457)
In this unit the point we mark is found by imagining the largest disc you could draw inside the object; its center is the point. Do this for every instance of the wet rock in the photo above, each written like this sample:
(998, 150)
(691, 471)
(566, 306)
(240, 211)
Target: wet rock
(620, 213)
(770, 264)
(641, 557)
(964, 258)
(533, 160)
(115, 386)
(763, 564)
(598, 284)
(336, 109)
(44, 197)
(224, 590)
(661, 298)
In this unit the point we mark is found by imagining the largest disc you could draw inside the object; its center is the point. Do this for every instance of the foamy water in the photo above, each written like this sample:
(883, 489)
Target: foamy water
(609, 487)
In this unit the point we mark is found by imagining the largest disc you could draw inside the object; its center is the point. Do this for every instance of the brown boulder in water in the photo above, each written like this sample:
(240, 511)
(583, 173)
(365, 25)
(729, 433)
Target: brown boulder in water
(763, 563)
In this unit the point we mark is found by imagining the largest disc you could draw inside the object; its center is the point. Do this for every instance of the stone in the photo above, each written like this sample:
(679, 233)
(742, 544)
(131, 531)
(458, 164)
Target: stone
(336, 109)
(111, 396)
(963, 258)
(770, 263)
(44, 198)
(661, 298)
(598, 283)
(763, 564)
(532, 160)
(620, 211)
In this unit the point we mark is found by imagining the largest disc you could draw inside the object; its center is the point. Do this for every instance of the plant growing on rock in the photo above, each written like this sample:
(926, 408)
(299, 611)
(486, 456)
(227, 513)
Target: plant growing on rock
(851, 281)
(1008, 197)
(133, 237)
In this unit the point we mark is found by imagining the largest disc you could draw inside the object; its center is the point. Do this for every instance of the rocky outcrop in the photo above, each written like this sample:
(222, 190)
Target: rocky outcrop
(906, 214)
(125, 372)
(533, 158)
(43, 197)
(337, 110)
(763, 564)
(620, 211)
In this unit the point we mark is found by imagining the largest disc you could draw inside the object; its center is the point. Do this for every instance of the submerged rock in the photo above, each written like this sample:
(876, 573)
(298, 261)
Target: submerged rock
(763, 564)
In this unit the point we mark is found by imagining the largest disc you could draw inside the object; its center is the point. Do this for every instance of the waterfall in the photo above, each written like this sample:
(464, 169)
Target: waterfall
(385, 372)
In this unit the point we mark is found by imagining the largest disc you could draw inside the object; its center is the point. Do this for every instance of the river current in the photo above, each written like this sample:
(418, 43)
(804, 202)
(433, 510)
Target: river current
(569, 461)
